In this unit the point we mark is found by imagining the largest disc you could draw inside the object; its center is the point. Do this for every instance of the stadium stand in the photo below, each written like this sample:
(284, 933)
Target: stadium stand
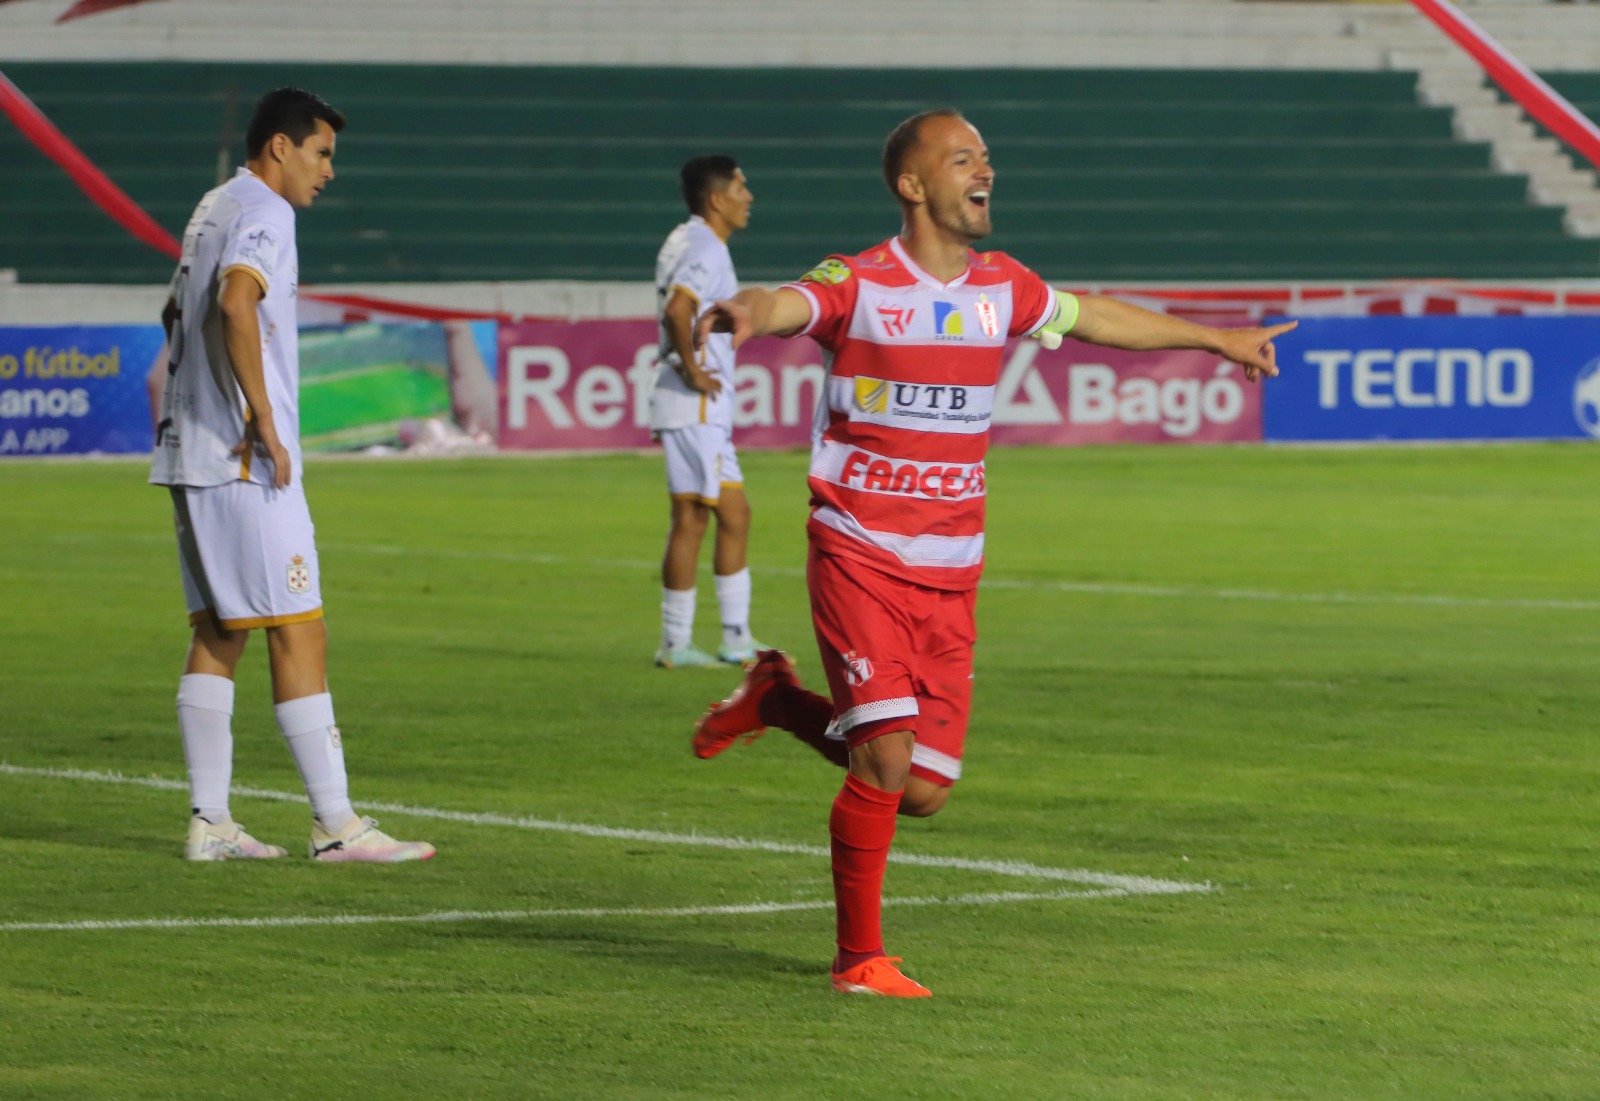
(464, 172)
(1143, 152)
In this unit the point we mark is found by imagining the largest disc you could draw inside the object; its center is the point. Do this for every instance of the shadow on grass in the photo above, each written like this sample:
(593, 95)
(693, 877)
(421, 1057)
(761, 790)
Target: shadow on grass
(630, 946)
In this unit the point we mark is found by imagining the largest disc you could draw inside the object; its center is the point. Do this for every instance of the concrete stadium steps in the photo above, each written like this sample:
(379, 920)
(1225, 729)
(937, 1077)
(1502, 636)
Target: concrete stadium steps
(461, 172)
(876, 33)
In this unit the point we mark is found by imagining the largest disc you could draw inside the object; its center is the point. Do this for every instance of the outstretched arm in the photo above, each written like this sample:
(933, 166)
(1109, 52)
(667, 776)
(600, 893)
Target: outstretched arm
(755, 311)
(1116, 324)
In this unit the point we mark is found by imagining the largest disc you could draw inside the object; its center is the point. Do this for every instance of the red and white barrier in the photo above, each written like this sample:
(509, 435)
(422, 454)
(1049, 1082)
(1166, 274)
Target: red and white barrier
(1520, 82)
(93, 182)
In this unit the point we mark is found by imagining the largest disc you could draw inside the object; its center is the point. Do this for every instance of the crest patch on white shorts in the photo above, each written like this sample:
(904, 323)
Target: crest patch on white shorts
(299, 575)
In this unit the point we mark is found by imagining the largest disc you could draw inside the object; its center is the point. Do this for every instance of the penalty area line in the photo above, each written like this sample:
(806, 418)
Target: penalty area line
(445, 917)
(1017, 869)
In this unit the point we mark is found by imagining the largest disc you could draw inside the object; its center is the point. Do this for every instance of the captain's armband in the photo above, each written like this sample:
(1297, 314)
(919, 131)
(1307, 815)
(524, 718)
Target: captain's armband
(1061, 322)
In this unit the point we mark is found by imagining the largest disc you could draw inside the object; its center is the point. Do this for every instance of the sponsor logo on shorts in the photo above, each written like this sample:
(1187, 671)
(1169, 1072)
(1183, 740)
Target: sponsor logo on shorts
(857, 670)
(299, 575)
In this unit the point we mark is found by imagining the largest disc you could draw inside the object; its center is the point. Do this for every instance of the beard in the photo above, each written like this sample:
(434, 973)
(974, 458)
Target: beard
(961, 217)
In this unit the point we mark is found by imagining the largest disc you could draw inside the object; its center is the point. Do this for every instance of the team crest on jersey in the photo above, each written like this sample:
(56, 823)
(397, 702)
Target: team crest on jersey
(988, 317)
(299, 575)
(857, 670)
(947, 320)
(830, 271)
(872, 394)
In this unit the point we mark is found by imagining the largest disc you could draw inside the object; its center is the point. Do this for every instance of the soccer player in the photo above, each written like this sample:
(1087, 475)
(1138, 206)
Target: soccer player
(913, 330)
(228, 446)
(691, 413)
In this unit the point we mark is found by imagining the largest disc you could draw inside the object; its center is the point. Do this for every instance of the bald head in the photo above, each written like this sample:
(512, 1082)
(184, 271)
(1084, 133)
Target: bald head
(903, 142)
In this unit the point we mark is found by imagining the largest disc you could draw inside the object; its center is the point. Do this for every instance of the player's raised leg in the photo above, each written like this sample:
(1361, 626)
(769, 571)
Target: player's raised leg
(770, 695)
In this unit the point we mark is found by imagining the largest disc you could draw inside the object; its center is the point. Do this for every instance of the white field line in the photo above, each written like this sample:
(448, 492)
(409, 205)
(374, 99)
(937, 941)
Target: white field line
(1120, 884)
(990, 581)
(448, 916)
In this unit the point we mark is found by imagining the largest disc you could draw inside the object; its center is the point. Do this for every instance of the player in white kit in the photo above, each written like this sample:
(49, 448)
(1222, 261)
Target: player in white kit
(691, 413)
(228, 446)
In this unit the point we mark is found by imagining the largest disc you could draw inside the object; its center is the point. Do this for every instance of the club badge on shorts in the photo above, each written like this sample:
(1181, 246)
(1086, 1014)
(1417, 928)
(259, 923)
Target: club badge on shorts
(857, 670)
(299, 575)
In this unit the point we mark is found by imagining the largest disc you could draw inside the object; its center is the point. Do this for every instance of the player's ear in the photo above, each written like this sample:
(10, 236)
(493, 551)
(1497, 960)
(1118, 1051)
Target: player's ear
(909, 186)
(279, 146)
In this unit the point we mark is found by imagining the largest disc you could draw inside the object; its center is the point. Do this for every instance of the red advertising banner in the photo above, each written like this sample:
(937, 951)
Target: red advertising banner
(585, 386)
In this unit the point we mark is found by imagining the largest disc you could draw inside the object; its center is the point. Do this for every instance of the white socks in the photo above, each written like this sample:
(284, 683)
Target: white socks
(677, 618)
(733, 601)
(308, 727)
(733, 598)
(205, 715)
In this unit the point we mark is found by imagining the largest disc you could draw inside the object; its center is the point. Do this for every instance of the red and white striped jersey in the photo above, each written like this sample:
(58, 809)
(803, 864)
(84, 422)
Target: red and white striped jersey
(897, 448)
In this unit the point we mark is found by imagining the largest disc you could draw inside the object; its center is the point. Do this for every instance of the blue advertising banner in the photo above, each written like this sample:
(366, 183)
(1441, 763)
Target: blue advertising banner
(78, 390)
(1436, 378)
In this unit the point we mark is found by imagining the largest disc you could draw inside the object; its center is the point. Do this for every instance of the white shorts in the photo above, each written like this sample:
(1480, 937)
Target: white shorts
(248, 554)
(700, 461)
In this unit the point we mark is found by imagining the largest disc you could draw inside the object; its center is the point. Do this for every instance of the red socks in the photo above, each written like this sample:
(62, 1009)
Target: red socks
(862, 827)
(806, 715)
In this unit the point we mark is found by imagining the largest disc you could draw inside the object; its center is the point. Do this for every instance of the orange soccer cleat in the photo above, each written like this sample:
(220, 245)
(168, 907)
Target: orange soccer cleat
(879, 976)
(739, 716)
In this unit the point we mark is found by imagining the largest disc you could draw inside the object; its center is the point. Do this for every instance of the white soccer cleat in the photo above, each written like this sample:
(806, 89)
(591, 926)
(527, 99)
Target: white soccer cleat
(741, 655)
(684, 657)
(225, 841)
(363, 841)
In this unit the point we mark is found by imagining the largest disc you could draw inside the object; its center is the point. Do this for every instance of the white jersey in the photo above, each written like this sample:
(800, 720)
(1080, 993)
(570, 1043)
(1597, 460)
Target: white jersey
(697, 260)
(241, 226)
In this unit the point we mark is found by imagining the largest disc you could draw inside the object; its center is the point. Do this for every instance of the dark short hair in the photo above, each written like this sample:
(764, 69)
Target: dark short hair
(902, 139)
(291, 111)
(703, 175)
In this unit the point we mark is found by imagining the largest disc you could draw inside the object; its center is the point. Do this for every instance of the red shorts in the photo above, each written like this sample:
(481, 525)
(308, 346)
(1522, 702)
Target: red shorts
(898, 657)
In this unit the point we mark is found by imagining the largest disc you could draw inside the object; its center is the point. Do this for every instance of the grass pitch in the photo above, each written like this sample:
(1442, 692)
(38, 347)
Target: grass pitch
(1352, 692)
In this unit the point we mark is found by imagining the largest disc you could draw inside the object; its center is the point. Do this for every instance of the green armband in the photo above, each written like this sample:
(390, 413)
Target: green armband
(1061, 322)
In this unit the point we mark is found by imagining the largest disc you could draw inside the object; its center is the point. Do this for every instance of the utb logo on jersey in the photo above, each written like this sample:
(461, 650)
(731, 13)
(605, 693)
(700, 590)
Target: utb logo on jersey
(872, 395)
(830, 271)
(947, 320)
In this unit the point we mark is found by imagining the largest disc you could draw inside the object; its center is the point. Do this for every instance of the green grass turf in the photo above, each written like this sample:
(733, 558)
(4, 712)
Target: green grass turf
(361, 405)
(1354, 690)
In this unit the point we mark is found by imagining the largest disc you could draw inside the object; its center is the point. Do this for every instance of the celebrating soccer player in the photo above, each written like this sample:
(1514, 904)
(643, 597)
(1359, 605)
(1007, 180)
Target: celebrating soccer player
(914, 329)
